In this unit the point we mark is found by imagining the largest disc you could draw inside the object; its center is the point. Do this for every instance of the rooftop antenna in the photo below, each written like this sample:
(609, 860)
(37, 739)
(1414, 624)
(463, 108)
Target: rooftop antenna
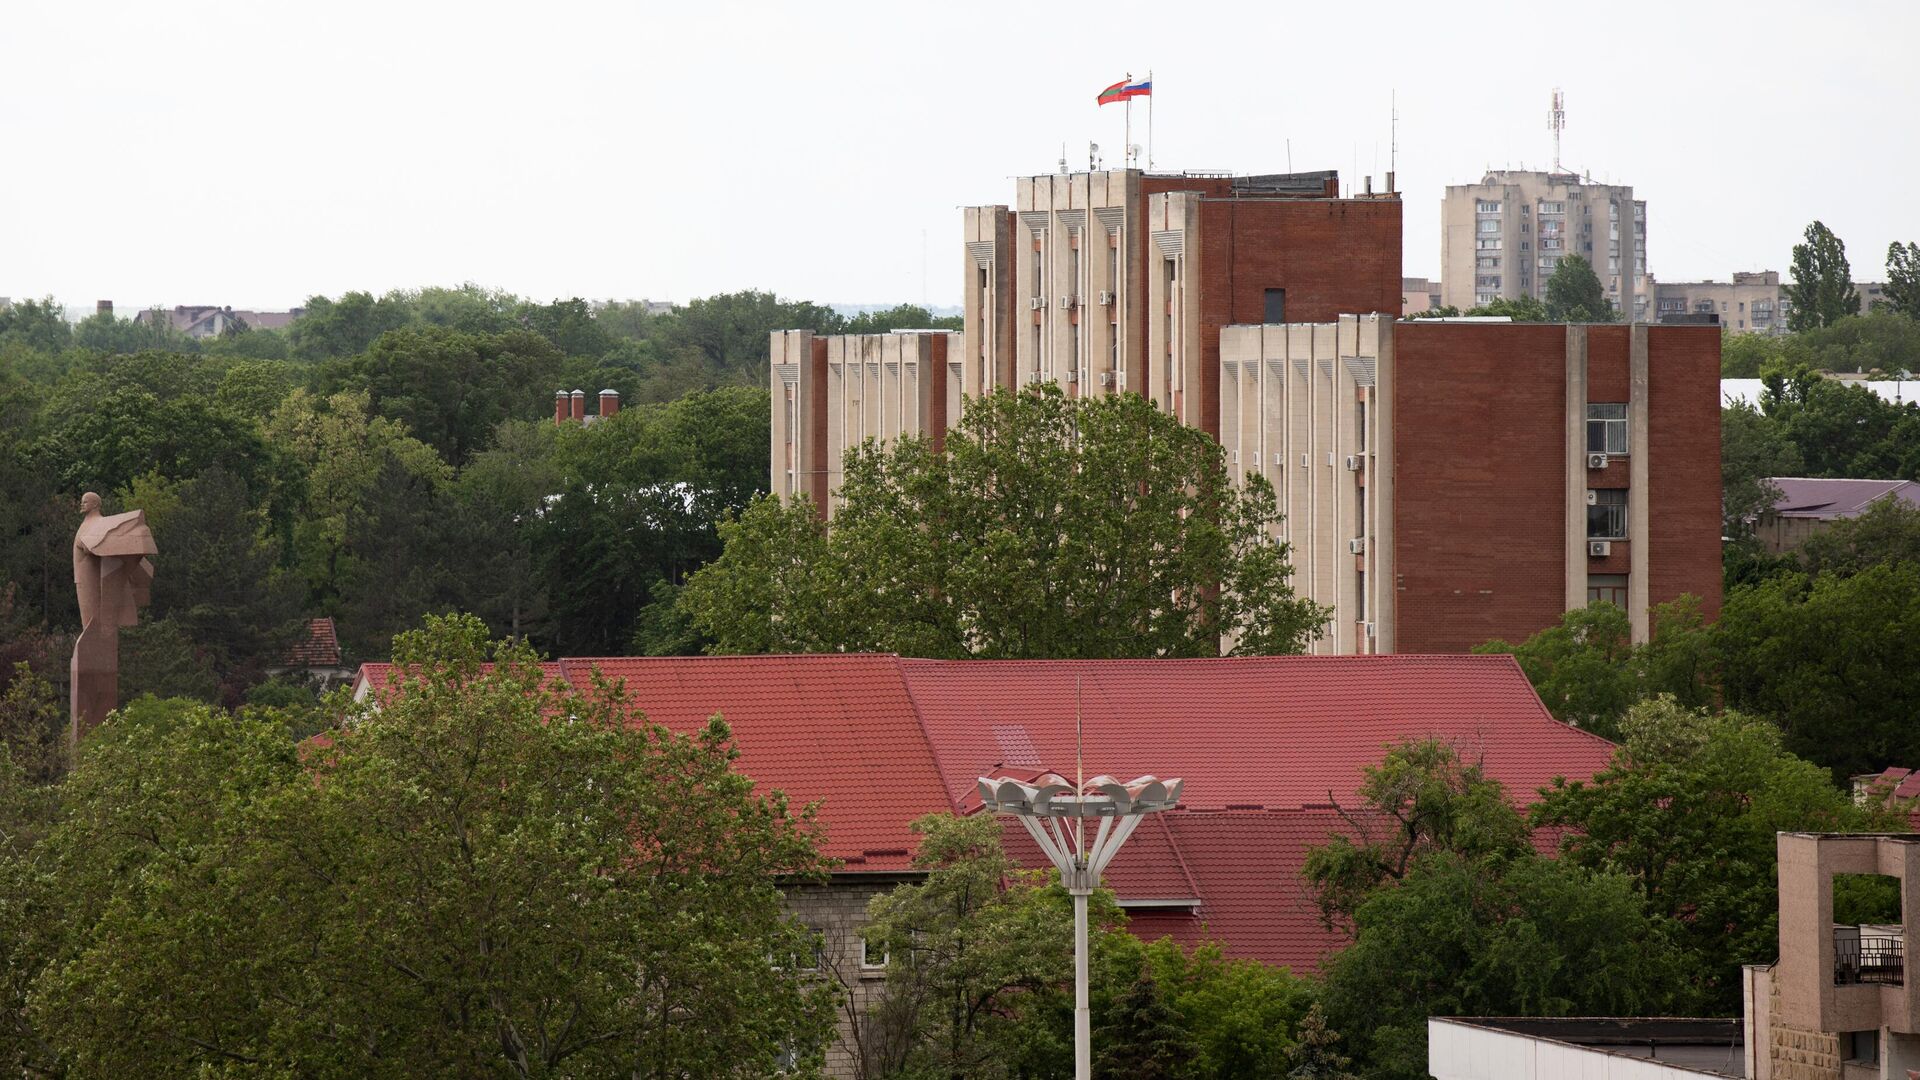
(1557, 120)
(1393, 135)
(1063, 159)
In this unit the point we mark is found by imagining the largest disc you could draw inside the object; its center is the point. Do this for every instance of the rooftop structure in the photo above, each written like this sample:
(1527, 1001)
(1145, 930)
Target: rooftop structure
(1754, 302)
(208, 320)
(571, 406)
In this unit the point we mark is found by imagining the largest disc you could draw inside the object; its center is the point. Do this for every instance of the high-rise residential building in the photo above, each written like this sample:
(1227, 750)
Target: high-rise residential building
(1754, 302)
(1503, 237)
(1445, 483)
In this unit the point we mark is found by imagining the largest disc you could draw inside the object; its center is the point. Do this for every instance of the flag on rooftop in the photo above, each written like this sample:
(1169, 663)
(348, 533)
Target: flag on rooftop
(1124, 89)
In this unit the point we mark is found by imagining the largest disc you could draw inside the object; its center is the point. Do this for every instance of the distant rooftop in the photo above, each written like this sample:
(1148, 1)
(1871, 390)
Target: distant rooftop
(1825, 499)
(1495, 1048)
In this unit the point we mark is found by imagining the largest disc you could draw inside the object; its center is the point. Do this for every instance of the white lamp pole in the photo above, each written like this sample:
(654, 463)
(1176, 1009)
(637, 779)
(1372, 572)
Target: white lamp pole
(1055, 813)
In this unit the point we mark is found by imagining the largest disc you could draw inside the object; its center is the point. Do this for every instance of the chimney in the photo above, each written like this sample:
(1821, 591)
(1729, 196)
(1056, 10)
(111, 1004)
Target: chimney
(580, 405)
(609, 403)
(559, 406)
(103, 307)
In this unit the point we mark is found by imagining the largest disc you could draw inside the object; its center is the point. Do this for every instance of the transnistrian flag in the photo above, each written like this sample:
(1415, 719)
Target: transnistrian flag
(1123, 90)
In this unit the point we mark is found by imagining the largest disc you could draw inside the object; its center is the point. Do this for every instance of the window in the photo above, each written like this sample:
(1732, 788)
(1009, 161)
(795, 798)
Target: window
(873, 956)
(1485, 297)
(1488, 281)
(1487, 262)
(1526, 245)
(1276, 309)
(809, 960)
(1606, 429)
(1553, 208)
(1611, 588)
(1862, 1046)
(1704, 307)
(1489, 245)
(1485, 207)
(1490, 226)
(1607, 515)
(1039, 275)
(1360, 593)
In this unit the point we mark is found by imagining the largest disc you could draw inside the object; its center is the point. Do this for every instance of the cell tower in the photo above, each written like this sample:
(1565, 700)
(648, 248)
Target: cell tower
(1557, 121)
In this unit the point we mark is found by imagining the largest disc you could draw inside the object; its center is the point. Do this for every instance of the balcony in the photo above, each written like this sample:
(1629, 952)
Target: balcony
(1868, 955)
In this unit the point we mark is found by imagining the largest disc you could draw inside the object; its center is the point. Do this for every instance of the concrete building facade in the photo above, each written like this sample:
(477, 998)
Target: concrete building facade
(1754, 302)
(832, 393)
(1503, 237)
(1836, 1005)
(1445, 483)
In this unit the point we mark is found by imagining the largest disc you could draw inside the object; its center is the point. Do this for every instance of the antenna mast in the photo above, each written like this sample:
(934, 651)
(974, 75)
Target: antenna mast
(1557, 120)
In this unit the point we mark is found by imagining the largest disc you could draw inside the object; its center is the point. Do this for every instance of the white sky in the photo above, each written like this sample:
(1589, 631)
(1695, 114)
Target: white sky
(253, 153)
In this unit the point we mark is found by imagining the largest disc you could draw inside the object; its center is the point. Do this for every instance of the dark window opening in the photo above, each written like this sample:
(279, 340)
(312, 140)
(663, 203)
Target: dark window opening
(1276, 311)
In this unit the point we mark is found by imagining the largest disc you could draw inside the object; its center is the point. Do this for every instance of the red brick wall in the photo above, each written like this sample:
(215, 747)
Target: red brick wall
(1479, 482)
(1479, 487)
(1333, 256)
(1683, 490)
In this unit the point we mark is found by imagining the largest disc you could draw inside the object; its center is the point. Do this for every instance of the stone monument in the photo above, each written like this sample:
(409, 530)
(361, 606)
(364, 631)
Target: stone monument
(114, 578)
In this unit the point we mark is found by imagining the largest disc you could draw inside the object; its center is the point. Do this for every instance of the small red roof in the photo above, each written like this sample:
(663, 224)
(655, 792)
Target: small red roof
(319, 647)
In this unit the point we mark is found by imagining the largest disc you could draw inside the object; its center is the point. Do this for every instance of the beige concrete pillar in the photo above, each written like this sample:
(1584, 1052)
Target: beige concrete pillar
(1576, 468)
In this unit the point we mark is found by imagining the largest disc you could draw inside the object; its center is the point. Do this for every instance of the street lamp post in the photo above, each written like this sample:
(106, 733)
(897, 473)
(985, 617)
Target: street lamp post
(1055, 812)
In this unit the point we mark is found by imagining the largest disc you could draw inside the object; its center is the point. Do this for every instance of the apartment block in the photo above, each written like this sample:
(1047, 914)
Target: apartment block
(1503, 237)
(832, 393)
(1754, 302)
(1445, 483)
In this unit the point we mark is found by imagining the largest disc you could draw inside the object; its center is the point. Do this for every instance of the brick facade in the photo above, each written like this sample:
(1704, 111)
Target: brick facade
(838, 912)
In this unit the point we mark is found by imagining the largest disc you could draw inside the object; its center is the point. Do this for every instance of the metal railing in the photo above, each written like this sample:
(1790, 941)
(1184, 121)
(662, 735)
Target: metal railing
(1868, 960)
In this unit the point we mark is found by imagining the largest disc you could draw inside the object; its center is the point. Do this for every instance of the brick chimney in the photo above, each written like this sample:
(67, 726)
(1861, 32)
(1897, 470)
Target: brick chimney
(609, 403)
(103, 307)
(580, 405)
(560, 406)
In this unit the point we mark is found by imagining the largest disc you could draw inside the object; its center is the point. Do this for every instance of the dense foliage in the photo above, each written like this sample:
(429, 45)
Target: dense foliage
(451, 884)
(1048, 527)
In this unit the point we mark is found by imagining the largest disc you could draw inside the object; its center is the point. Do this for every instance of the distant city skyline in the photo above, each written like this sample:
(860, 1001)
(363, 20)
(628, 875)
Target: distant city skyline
(214, 152)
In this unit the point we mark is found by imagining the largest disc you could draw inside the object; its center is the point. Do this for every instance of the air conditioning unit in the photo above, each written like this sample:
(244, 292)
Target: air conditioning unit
(1593, 497)
(1357, 546)
(1369, 630)
(1306, 461)
(1034, 377)
(1596, 461)
(1106, 298)
(1106, 378)
(1069, 301)
(1353, 463)
(1599, 549)
(1073, 375)
(1279, 458)
(1039, 302)
(1233, 457)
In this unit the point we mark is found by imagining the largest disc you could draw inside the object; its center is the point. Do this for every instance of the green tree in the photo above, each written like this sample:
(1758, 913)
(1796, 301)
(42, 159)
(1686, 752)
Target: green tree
(451, 389)
(1241, 1016)
(455, 884)
(900, 317)
(1830, 659)
(1747, 355)
(157, 658)
(1143, 1037)
(33, 727)
(344, 327)
(1887, 532)
(1504, 935)
(1688, 811)
(1421, 799)
(1903, 279)
(223, 584)
(730, 329)
(973, 949)
(104, 332)
(1315, 1056)
(1754, 448)
(1822, 291)
(499, 499)
(1048, 527)
(1574, 293)
(40, 325)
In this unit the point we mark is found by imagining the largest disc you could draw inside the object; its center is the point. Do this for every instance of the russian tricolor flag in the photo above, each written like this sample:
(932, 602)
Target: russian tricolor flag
(1123, 90)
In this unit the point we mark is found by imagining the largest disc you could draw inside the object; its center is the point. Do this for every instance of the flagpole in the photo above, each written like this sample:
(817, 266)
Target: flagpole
(1149, 118)
(1126, 137)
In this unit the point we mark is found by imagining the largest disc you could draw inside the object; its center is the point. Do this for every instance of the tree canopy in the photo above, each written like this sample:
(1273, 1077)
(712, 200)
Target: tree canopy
(1048, 527)
(1822, 291)
(1574, 293)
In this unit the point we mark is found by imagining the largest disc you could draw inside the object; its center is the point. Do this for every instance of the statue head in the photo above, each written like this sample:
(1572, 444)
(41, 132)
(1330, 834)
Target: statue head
(90, 503)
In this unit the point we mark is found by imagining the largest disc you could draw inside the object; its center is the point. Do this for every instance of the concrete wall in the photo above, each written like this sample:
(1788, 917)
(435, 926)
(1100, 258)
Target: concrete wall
(838, 912)
(1586, 230)
(831, 394)
(1754, 304)
(1809, 998)
(1459, 1051)
(1292, 398)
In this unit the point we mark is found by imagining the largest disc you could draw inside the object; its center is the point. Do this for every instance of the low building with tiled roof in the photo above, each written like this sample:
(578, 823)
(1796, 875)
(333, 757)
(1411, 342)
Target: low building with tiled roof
(1809, 504)
(315, 656)
(1267, 747)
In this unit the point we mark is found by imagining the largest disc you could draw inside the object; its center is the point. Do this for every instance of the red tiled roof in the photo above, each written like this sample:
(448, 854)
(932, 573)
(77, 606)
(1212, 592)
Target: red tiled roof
(1281, 731)
(320, 648)
(1260, 742)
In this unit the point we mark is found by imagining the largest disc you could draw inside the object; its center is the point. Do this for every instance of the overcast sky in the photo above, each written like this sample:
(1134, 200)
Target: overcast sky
(252, 154)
